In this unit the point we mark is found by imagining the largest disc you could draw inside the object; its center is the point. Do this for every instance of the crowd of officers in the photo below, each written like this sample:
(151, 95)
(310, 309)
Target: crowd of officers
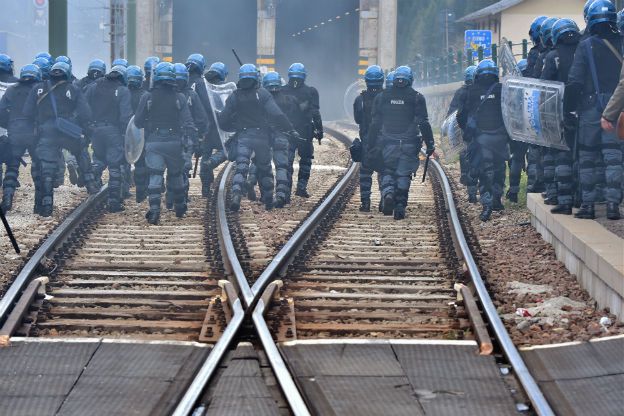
(589, 63)
(58, 119)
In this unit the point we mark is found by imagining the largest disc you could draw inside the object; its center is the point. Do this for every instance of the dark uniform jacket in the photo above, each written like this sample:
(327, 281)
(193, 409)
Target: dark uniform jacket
(164, 108)
(309, 119)
(457, 99)
(70, 102)
(363, 110)
(12, 103)
(253, 109)
(110, 102)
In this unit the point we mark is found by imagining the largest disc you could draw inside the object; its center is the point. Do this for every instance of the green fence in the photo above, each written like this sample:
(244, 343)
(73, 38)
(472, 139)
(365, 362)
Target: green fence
(450, 68)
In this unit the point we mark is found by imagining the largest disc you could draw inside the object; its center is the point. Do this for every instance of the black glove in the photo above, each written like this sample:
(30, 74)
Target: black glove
(318, 134)
(430, 150)
(294, 135)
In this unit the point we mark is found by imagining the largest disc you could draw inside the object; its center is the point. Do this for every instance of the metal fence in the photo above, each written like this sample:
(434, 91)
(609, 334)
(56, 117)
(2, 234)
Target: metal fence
(450, 68)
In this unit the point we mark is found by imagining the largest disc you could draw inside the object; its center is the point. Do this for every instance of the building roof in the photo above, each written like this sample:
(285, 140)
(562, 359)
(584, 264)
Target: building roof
(489, 10)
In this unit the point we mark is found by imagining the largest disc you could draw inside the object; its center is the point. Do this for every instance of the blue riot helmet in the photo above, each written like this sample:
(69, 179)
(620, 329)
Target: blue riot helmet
(403, 76)
(620, 21)
(63, 58)
(546, 31)
(121, 62)
(135, 76)
(150, 65)
(60, 70)
(390, 80)
(469, 74)
(486, 67)
(44, 66)
(564, 28)
(46, 56)
(536, 26)
(248, 71)
(586, 9)
(522, 65)
(30, 72)
(164, 72)
(181, 75)
(217, 72)
(196, 62)
(272, 81)
(601, 11)
(374, 76)
(6, 63)
(96, 69)
(297, 70)
(118, 72)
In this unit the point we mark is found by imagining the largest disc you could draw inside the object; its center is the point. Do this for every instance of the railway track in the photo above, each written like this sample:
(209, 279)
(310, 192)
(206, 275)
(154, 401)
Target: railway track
(346, 274)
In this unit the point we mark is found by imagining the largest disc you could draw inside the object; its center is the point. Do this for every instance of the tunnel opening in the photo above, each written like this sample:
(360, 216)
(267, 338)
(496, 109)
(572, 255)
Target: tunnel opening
(324, 36)
(213, 28)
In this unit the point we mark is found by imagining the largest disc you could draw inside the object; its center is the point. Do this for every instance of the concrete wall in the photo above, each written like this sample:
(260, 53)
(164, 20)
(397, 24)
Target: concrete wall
(438, 100)
(145, 35)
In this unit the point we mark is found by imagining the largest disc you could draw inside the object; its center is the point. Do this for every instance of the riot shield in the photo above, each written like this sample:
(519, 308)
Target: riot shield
(508, 61)
(218, 94)
(3, 88)
(452, 137)
(533, 111)
(134, 142)
(350, 95)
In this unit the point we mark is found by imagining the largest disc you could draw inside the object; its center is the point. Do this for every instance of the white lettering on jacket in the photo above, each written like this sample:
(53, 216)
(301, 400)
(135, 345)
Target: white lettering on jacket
(397, 102)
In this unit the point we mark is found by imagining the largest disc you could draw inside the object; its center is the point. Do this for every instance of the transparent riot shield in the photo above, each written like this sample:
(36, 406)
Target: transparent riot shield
(3, 88)
(218, 94)
(533, 111)
(508, 62)
(350, 95)
(452, 140)
(134, 142)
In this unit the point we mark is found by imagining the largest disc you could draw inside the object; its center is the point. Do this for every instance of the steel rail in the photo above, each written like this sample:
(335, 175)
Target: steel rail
(539, 402)
(51, 242)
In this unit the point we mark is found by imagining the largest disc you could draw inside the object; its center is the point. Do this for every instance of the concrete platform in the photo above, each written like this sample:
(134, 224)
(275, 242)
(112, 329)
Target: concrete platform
(401, 377)
(47, 376)
(588, 250)
(581, 378)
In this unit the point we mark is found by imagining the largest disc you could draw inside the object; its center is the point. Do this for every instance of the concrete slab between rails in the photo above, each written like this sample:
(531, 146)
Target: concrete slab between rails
(580, 378)
(354, 377)
(95, 376)
(588, 250)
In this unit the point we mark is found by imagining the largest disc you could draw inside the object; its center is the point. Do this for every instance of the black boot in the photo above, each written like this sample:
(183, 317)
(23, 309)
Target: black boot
(388, 204)
(463, 179)
(365, 207)
(279, 202)
(152, 217)
(141, 196)
(92, 187)
(565, 209)
(550, 201)
(512, 197)
(586, 212)
(302, 193)
(399, 212)
(486, 213)
(380, 207)
(180, 209)
(268, 202)
(115, 206)
(613, 211)
(251, 192)
(497, 205)
(235, 203)
(472, 198)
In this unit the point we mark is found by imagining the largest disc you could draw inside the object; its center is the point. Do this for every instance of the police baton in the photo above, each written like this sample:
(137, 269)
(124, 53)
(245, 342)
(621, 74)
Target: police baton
(237, 58)
(426, 167)
(9, 231)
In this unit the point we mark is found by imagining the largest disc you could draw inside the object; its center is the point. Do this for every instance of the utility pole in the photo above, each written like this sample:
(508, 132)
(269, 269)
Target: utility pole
(131, 32)
(57, 29)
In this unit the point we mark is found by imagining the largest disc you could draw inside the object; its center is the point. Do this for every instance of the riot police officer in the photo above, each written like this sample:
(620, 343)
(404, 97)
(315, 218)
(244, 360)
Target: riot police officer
(149, 66)
(6, 76)
(61, 111)
(44, 67)
(21, 135)
(565, 36)
(109, 99)
(120, 62)
(363, 115)
(164, 114)
(534, 52)
(458, 97)
(212, 153)
(252, 112)
(390, 80)
(593, 77)
(135, 85)
(309, 126)
(272, 81)
(481, 118)
(400, 123)
(96, 70)
(200, 119)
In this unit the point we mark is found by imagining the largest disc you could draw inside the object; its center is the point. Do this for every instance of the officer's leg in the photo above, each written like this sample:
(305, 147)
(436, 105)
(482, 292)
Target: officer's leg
(534, 169)
(486, 182)
(563, 176)
(252, 180)
(407, 165)
(292, 152)
(280, 159)
(126, 175)
(155, 164)
(115, 161)
(177, 163)
(48, 151)
(366, 183)
(306, 154)
(600, 177)
(79, 150)
(391, 154)
(59, 179)
(589, 150)
(265, 171)
(188, 167)
(244, 151)
(14, 152)
(548, 158)
(141, 178)
(463, 166)
(612, 159)
(206, 174)
(518, 163)
(72, 168)
(99, 146)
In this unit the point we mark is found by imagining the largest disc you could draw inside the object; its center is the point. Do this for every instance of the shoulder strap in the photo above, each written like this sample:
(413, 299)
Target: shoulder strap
(612, 49)
(592, 65)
